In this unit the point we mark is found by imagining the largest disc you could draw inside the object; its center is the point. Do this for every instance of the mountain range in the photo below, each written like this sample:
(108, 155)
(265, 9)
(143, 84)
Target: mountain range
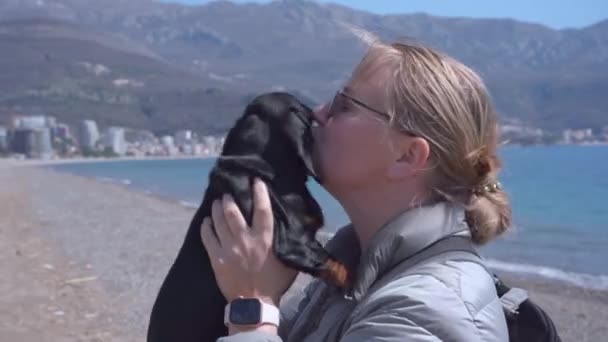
(164, 66)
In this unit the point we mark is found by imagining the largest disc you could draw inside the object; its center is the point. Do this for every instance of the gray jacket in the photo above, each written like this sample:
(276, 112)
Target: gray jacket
(439, 299)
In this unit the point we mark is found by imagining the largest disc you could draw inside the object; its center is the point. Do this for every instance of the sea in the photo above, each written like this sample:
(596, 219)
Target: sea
(559, 196)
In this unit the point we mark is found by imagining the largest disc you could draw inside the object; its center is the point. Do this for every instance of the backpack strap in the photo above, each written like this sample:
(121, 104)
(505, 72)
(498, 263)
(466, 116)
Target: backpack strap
(513, 299)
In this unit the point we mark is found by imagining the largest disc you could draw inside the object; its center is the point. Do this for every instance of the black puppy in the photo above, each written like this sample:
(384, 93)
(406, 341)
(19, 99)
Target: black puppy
(271, 141)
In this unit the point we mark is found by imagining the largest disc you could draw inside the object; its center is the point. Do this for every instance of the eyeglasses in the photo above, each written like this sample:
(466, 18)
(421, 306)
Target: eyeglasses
(336, 106)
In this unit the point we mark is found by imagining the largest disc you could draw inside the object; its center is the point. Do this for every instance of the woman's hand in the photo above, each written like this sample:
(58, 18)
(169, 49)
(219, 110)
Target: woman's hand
(241, 256)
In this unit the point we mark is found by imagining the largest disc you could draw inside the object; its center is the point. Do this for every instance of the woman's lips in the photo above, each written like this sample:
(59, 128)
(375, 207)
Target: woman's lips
(315, 154)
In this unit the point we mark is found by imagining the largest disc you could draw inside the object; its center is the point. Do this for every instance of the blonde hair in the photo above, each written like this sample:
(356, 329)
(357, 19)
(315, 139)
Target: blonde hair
(447, 104)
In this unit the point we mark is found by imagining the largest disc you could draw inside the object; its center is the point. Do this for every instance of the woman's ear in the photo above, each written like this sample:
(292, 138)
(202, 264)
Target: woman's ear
(410, 156)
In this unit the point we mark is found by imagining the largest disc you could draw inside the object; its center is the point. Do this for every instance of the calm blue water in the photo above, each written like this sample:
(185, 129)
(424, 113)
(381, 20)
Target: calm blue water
(559, 197)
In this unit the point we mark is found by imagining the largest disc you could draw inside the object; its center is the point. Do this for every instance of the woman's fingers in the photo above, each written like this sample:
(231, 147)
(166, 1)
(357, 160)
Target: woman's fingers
(234, 218)
(219, 223)
(212, 245)
(262, 208)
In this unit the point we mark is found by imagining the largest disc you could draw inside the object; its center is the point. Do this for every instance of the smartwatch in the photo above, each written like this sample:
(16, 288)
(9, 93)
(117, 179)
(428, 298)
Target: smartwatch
(250, 311)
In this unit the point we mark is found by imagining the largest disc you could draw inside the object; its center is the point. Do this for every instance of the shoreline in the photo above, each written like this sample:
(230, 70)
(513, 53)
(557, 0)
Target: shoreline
(78, 160)
(83, 160)
(509, 273)
(518, 276)
(131, 250)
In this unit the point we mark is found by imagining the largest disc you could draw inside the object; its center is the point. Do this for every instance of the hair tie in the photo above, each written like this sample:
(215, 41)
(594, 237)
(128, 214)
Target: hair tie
(487, 188)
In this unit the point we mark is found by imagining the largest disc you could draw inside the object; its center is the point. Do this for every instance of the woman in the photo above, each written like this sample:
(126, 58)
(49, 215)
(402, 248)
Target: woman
(408, 147)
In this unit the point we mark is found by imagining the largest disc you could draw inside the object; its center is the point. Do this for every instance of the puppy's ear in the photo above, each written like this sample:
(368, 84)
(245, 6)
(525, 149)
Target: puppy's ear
(253, 164)
(304, 148)
(299, 133)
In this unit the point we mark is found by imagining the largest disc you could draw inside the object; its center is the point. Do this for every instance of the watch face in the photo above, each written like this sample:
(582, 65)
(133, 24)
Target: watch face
(245, 311)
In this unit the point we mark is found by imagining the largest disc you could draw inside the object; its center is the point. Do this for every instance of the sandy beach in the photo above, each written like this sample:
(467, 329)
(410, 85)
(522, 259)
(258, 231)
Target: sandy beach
(83, 261)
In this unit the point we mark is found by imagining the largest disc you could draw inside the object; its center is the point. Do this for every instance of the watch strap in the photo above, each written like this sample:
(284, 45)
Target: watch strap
(269, 314)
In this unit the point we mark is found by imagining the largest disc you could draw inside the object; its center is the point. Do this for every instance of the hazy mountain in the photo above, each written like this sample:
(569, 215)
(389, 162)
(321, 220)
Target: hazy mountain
(60, 69)
(537, 75)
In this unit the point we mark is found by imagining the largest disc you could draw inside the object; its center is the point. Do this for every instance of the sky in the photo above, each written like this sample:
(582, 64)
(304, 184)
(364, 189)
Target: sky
(553, 13)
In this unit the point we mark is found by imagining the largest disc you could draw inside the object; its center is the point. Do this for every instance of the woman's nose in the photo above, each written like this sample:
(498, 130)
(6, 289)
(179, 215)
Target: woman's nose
(320, 114)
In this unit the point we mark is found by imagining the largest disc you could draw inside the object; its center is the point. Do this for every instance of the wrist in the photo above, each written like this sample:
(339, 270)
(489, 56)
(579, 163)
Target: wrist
(266, 299)
(267, 328)
(252, 314)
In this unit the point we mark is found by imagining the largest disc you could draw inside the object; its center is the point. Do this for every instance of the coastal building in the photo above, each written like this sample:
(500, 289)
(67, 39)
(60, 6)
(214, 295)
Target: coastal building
(22, 140)
(34, 122)
(34, 143)
(88, 135)
(114, 139)
(136, 136)
(167, 141)
(50, 122)
(3, 139)
(198, 149)
(213, 145)
(168, 145)
(573, 136)
(29, 122)
(42, 147)
(62, 132)
(183, 137)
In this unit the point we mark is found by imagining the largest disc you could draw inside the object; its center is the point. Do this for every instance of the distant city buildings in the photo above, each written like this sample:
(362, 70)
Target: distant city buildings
(572, 136)
(3, 140)
(183, 138)
(525, 135)
(34, 122)
(42, 136)
(33, 143)
(168, 144)
(21, 140)
(42, 147)
(31, 136)
(62, 132)
(114, 141)
(88, 135)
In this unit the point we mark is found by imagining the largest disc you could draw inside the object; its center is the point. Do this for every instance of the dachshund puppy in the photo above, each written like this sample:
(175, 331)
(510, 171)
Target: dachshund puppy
(272, 141)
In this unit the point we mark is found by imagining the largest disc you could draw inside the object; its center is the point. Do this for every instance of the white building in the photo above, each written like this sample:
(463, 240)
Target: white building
(34, 143)
(114, 138)
(570, 136)
(167, 141)
(29, 122)
(42, 147)
(3, 139)
(183, 137)
(198, 149)
(50, 122)
(88, 134)
(168, 145)
(34, 122)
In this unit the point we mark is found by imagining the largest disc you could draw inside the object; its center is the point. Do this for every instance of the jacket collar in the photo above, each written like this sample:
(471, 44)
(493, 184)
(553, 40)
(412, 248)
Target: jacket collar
(399, 239)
